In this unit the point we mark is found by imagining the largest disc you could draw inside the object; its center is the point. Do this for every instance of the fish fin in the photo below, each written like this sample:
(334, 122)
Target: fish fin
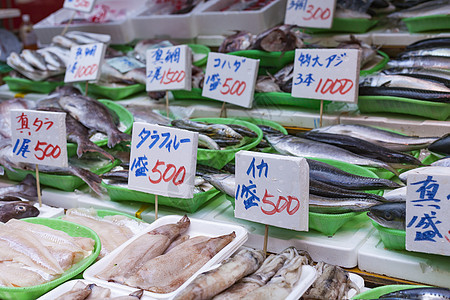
(390, 168)
(92, 180)
(116, 137)
(138, 294)
(84, 147)
(386, 84)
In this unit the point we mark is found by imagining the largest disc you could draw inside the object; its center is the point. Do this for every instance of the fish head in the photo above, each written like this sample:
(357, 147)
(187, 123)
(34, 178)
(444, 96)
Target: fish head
(20, 210)
(391, 215)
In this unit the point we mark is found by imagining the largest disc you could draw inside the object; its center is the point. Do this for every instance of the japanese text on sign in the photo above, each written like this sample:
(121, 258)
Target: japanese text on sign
(427, 213)
(272, 189)
(163, 160)
(39, 137)
(310, 13)
(230, 78)
(80, 5)
(326, 74)
(169, 68)
(85, 62)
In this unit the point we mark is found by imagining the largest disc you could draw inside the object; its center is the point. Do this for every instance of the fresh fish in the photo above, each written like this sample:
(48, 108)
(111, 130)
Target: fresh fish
(266, 84)
(243, 130)
(179, 240)
(367, 51)
(438, 42)
(62, 53)
(432, 72)
(64, 42)
(327, 173)
(390, 215)
(210, 283)
(326, 205)
(425, 170)
(295, 146)
(424, 293)
(133, 296)
(269, 129)
(402, 82)
(17, 62)
(427, 95)
(241, 40)
(143, 113)
(110, 75)
(396, 195)
(442, 145)
(79, 291)
(381, 137)
(362, 147)
(426, 52)
(443, 162)
(17, 210)
(205, 141)
(284, 78)
(326, 190)
(166, 273)
(52, 59)
(430, 78)
(94, 115)
(137, 75)
(34, 59)
(81, 38)
(279, 38)
(143, 249)
(223, 182)
(436, 7)
(350, 14)
(219, 129)
(14, 274)
(25, 189)
(427, 62)
(226, 142)
(119, 175)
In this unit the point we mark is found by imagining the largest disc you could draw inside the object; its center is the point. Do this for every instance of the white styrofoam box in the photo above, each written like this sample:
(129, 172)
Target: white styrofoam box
(46, 211)
(420, 267)
(358, 281)
(196, 228)
(211, 21)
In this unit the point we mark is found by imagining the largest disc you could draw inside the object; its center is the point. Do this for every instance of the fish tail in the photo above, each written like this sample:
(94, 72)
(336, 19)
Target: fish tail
(116, 137)
(91, 179)
(184, 222)
(389, 168)
(84, 147)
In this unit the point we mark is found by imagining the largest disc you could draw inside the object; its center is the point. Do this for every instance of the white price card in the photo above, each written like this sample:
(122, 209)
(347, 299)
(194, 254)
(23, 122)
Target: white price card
(428, 213)
(80, 5)
(85, 62)
(230, 78)
(39, 137)
(163, 160)
(310, 13)
(272, 189)
(169, 68)
(326, 74)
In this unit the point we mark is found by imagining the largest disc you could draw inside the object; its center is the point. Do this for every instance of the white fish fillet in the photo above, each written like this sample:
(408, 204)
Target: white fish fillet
(14, 274)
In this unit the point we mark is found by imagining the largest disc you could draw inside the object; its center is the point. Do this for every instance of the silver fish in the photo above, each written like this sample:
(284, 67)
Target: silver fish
(431, 72)
(401, 81)
(64, 42)
(219, 129)
(81, 38)
(52, 59)
(426, 62)
(205, 141)
(425, 170)
(61, 53)
(396, 195)
(426, 52)
(25, 189)
(15, 61)
(390, 215)
(223, 182)
(138, 75)
(322, 204)
(35, 59)
(436, 7)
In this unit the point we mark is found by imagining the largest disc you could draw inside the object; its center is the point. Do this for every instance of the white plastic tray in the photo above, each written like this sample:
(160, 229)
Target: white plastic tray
(197, 227)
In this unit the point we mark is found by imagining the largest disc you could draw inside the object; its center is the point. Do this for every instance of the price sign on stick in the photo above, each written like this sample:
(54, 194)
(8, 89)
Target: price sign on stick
(163, 160)
(85, 62)
(230, 79)
(272, 189)
(310, 13)
(326, 74)
(80, 5)
(169, 68)
(428, 213)
(39, 137)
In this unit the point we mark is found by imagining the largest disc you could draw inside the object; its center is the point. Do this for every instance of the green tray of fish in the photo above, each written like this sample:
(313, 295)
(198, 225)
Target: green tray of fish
(276, 59)
(126, 120)
(193, 94)
(277, 98)
(392, 238)
(219, 158)
(72, 229)
(118, 193)
(30, 86)
(378, 66)
(353, 25)
(199, 51)
(427, 23)
(377, 292)
(113, 93)
(433, 110)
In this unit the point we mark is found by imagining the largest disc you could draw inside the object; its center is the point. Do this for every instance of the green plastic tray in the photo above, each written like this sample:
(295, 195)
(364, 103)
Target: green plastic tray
(33, 292)
(200, 49)
(375, 293)
(191, 205)
(219, 158)
(428, 23)
(356, 25)
(193, 94)
(125, 117)
(394, 239)
(378, 66)
(432, 110)
(277, 98)
(276, 59)
(30, 86)
(113, 93)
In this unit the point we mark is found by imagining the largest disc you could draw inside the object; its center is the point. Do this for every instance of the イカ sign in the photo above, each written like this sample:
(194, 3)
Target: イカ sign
(428, 213)
(85, 62)
(230, 78)
(80, 5)
(326, 74)
(310, 13)
(39, 137)
(272, 189)
(163, 160)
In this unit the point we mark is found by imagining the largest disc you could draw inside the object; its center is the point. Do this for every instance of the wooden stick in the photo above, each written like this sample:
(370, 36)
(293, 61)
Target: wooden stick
(38, 186)
(321, 113)
(68, 23)
(167, 103)
(86, 89)
(223, 111)
(156, 207)
(266, 237)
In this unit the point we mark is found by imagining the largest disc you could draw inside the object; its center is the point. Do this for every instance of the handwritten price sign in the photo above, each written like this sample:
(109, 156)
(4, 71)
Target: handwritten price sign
(427, 213)
(310, 13)
(272, 189)
(39, 137)
(326, 74)
(84, 62)
(169, 68)
(80, 5)
(230, 78)
(163, 160)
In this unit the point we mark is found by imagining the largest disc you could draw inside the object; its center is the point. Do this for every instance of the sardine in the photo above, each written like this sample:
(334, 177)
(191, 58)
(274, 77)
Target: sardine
(241, 40)
(425, 170)
(34, 59)
(295, 146)
(62, 53)
(381, 137)
(81, 38)
(427, 62)
(210, 283)
(64, 42)
(25, 189)
(52, 59)
(402, 82)
(17, 210)
(94, 115)
(17, 62)
(390, 215)
(420, 293)
(426, 95)
(442, 145)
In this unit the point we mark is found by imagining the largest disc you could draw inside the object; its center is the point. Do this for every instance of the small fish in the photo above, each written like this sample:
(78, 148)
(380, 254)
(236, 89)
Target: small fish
(64, 42)
(241, 40)
(438, 42)
(223, 182)
(390, 81)
(427, 62)
(390, 215)
(326, 205)
(34, 59)
(432, 72)
(429, 8)
(81, 38)
(426, 95)
(205, 141)
(426, 293)
(17, 210)
(17, 62)
(62, 53)
(442, 145)
(52, 59)
(243, 130)
(25, 189)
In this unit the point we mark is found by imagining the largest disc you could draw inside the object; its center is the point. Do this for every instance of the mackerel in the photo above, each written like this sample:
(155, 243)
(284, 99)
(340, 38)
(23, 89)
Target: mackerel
(322, 204)
(425, 95)
(432, 62)
(390, 81)
(390, 215)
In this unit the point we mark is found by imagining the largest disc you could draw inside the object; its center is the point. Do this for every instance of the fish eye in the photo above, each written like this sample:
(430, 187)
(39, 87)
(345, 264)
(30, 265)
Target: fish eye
(388, 215)
(21, 208)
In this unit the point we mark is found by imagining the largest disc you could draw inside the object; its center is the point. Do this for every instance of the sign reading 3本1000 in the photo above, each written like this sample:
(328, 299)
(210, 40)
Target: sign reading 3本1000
(163, 160)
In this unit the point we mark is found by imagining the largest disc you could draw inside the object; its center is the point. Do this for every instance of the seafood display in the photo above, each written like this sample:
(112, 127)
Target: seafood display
(82, 291)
